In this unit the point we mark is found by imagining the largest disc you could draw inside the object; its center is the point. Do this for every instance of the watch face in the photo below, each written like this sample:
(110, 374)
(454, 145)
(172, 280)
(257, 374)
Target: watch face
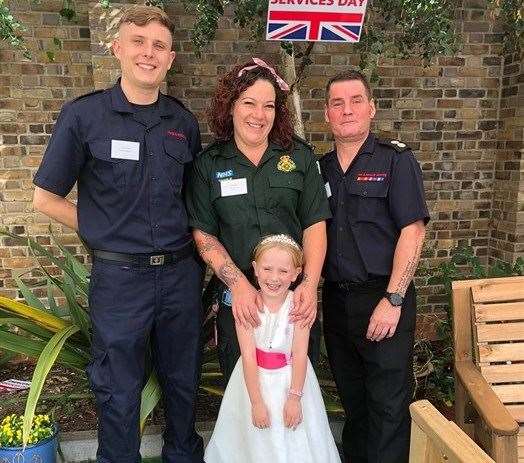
(396, 299)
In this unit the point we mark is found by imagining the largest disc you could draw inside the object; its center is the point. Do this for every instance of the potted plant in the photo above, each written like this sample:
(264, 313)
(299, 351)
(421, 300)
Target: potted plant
(41, 444)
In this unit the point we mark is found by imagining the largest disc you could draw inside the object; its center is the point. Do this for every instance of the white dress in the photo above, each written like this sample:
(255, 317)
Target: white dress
(236, 440)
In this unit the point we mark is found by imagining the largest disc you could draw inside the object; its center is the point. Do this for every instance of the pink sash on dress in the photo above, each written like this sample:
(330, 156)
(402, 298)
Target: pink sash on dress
(272, 360)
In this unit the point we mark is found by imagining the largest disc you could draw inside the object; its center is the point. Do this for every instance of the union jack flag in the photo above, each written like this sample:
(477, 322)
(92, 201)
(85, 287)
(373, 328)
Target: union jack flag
(326, 26)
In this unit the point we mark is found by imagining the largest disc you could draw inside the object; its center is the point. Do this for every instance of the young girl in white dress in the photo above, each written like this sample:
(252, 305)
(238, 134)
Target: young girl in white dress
(272, 410)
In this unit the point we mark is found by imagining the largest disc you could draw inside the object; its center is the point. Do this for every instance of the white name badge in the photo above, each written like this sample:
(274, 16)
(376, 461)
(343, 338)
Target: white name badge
(233, 187)
(121, 149)
(328, 190)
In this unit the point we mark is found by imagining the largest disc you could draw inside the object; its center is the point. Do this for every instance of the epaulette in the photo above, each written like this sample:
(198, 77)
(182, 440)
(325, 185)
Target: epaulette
(81, 97)
(212, 146)
(398, 146)
(177, 100)
(296, 138)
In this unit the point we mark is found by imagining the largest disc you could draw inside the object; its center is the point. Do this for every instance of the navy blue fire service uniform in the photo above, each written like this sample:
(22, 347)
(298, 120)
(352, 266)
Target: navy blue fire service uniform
(145, 291)
(380, 193)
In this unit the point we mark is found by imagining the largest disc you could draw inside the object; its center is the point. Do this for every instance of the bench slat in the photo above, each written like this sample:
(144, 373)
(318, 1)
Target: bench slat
(503, 373)
(493, 292)
(500, 332)
(499, 312)
(501, 352)
(509, 392)
(517, 412)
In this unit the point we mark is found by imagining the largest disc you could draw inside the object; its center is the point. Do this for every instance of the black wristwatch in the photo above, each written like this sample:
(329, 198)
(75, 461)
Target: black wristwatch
(395, 299)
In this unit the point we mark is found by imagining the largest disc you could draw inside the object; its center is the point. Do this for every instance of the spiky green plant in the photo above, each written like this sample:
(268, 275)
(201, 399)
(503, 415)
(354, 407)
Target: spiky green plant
(53, 334)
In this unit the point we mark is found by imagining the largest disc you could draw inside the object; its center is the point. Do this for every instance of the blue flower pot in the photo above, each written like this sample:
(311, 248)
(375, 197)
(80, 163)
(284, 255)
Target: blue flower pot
(41, 452)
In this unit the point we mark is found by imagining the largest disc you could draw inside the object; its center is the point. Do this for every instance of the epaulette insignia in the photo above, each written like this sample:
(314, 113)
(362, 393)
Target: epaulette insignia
(396, 145)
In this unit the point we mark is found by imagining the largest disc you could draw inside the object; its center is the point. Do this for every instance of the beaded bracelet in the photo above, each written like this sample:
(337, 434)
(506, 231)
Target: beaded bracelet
(295, 392)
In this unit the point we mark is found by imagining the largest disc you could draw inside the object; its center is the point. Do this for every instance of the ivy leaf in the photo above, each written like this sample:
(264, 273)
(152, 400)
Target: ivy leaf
(57, 42)
(67, 13)
(50, 55)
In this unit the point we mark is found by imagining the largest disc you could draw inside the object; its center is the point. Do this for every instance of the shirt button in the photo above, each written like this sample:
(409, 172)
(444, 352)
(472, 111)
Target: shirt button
(156, 225)
(153, 178)
(150, 154)
(364, 193)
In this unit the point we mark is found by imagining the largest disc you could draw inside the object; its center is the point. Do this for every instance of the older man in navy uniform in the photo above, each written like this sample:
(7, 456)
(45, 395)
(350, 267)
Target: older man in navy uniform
(128, 148)
(374, 241)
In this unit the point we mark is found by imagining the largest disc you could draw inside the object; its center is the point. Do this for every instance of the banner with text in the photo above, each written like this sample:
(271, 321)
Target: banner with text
(316, 20)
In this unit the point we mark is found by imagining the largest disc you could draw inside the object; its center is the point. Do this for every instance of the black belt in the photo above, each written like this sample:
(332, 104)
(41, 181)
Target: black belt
(147, 259)
(372, 283)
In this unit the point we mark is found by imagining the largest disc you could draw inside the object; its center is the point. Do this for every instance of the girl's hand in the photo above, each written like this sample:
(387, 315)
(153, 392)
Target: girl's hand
(292, 412)
(260, 415)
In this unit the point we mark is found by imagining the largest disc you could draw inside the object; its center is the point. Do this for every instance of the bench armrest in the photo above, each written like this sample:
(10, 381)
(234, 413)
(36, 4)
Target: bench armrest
(485, 401)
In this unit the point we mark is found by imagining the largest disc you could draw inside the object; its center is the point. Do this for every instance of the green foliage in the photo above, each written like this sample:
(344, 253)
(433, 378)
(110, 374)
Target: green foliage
(11, 430)
(511, 15)
(393, 28)
(68, 10)
(51, 333)
(407, 28)
(11, 30)
(463, 265)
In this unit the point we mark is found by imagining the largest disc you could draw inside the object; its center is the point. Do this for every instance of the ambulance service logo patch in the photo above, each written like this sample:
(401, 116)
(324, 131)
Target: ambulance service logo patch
(286, 164)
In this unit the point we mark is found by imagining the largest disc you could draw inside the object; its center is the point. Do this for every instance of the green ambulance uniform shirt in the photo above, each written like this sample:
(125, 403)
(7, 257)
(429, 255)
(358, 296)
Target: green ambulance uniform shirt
(239, 203)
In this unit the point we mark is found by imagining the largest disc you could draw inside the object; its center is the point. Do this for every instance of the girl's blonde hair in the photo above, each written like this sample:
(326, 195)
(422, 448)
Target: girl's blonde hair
(280, 241)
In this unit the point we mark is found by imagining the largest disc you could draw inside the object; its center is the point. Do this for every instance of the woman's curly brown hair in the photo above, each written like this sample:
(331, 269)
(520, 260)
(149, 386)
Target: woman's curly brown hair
(227, 91)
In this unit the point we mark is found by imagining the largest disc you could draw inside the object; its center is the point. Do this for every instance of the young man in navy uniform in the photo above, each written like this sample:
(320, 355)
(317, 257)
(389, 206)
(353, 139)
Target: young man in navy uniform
(374, 242)
(128, 148)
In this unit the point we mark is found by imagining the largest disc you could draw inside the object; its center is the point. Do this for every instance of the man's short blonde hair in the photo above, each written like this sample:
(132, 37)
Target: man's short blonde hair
(141, 15)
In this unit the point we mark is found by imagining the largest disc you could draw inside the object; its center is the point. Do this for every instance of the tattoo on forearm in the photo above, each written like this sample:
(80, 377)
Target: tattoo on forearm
(205, 244)
(409, 271)
(229, 273)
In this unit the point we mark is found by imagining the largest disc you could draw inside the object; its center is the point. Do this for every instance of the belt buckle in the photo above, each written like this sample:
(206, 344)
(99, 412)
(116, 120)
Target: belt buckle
(156, 260)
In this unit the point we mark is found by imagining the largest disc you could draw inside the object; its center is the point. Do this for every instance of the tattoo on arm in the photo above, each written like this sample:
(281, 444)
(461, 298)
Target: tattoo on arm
(206, 244)
(229, 273)
(409, 271)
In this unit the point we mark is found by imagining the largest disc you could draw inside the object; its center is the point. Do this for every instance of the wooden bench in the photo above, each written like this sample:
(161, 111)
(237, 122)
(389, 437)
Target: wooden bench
(437, 440)
(488, 320)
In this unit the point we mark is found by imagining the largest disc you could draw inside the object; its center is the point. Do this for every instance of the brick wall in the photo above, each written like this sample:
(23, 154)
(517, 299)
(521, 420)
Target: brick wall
(507, 227)
(32, 93)
(460, 115)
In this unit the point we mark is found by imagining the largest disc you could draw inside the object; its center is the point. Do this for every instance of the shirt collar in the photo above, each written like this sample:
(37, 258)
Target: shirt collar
(367, 147)
(121, 104)
(230, 150)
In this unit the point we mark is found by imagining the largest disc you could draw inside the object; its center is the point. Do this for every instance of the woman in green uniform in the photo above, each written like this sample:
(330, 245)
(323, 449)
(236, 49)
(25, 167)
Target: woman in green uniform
(255, 179)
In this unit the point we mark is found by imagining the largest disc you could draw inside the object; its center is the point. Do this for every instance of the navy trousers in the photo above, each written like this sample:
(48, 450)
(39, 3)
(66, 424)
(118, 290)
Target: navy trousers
(134, 310)
(374, 379)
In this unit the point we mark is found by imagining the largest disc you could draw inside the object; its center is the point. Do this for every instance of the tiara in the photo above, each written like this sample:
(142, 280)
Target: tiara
(280, 239)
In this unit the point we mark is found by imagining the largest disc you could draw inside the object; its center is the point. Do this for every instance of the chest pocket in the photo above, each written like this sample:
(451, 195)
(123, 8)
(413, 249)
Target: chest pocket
(108, 170)
(230, 209)
(285, 190)
(368, 201)
(177, 154)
